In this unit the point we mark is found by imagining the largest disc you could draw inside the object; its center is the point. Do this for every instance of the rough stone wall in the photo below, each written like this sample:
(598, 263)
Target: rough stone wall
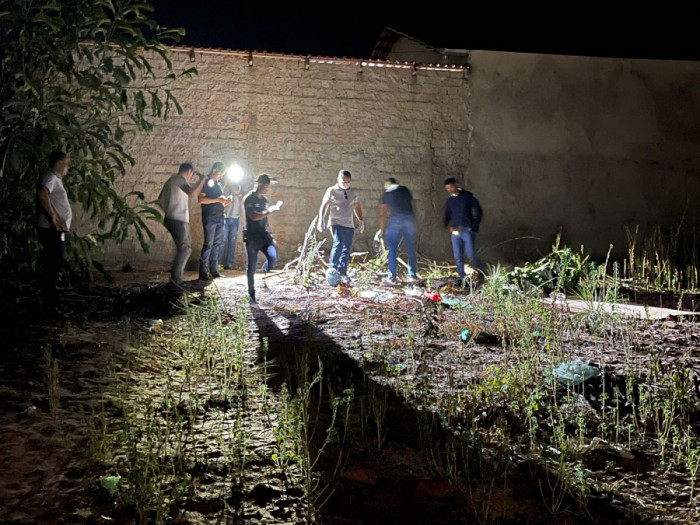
(303, 125)
(586, 144)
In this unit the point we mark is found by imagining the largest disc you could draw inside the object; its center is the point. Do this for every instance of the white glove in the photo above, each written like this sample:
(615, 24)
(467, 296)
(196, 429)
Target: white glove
(455, 232)
(378, 236)
(275, 207)
(361, 226)
(321, 224)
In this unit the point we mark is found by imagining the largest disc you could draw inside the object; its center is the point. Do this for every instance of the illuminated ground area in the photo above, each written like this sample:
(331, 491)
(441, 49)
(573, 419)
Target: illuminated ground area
(320, 404)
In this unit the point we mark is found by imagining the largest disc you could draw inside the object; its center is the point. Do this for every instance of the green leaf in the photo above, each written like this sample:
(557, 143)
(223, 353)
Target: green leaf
(70, 72)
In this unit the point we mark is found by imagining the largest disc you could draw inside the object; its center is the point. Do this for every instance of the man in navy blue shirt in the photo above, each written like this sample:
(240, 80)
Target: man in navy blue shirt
(257, 236)
(396, 205)
(213, 201)
(462, 215)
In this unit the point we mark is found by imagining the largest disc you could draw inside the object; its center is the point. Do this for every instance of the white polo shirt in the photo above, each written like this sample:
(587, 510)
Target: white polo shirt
(58, 198)
(341, 204)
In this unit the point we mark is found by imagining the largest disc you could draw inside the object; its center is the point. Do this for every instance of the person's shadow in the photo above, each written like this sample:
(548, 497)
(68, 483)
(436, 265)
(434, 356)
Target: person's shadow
(293, 349)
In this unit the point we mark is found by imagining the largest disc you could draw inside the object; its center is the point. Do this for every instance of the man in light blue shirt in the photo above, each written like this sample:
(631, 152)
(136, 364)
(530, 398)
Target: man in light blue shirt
(232, 221)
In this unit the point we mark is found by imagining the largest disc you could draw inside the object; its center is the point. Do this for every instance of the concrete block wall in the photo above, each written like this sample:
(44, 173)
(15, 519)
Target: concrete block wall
(303, 125)
(587, 145)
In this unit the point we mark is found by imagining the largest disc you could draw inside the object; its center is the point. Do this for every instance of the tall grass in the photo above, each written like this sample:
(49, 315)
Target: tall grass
(664, 259)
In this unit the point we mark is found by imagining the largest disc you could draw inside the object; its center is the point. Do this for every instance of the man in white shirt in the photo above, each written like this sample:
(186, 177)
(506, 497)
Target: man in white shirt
(174, 199)
(232, 221)
(341, 202)
(54, 220)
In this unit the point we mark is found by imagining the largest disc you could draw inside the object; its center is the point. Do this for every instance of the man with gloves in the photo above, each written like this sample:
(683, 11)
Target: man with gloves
(341, 201)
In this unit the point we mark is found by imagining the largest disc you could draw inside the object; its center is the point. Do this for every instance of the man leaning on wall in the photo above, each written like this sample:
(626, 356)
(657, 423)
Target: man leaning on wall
(174, 199)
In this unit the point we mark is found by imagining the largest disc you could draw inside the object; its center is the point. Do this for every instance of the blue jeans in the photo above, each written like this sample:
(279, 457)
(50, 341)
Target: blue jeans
(230, 238)
(180, 232)
(401, 226)
(252, 247)
(213, 240)
(463, 246)
(340, 252)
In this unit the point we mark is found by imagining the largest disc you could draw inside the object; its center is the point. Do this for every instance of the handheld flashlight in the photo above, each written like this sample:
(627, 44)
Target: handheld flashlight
(235, 173)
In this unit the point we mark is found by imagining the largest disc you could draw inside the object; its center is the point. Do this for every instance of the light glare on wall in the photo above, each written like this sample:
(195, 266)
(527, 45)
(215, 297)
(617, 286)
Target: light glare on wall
(234, 173)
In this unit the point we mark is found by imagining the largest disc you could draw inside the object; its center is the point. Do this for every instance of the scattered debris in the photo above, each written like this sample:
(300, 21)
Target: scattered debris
(433, 296)
(575, 372)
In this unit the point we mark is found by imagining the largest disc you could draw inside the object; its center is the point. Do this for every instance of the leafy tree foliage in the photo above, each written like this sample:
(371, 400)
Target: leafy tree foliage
(78, 75)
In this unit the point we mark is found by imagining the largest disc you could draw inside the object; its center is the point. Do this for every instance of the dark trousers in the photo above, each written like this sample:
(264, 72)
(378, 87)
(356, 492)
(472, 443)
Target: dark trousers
(54, 253)
(180, 232)
(252, 247)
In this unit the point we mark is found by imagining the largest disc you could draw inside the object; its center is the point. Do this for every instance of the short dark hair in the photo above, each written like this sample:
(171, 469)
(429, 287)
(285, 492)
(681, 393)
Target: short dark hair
(345, 173)
(450, 180)
(185, 166)
(391, 180)
(56, 156)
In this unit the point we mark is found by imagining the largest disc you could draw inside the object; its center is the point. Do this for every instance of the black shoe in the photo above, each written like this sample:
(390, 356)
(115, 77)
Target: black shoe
(203, 277)
(227, 267)
(216, 275)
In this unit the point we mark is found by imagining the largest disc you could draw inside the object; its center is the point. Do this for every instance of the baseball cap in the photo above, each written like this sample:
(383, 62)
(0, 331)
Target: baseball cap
(266, 179)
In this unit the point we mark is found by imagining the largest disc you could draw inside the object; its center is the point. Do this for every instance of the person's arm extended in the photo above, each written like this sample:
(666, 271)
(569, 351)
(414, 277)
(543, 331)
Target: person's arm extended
(196, 189)
(203, 199)
(257, 216)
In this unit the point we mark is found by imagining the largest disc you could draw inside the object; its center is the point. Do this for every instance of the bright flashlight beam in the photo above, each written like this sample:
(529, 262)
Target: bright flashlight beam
(234, 173)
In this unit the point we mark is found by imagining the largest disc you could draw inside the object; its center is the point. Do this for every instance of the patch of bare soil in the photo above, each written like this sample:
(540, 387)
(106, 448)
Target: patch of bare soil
(404, 448)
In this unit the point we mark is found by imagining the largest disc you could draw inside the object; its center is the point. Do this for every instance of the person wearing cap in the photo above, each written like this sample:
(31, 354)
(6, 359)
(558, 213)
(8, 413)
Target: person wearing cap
(462, 216)
(257, 236)
(232, 220)
(213, 202)
(174, 199)
(397, 221)
(341, 202)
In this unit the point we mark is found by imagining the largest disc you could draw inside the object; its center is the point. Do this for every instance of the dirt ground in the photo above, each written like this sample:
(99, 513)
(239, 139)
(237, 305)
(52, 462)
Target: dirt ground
(48, 475)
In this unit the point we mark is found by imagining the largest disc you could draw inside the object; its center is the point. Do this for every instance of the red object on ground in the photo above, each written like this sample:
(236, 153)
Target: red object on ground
(433, 296)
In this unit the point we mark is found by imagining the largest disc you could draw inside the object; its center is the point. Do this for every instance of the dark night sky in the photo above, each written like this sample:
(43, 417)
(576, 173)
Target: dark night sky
(352, 28)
